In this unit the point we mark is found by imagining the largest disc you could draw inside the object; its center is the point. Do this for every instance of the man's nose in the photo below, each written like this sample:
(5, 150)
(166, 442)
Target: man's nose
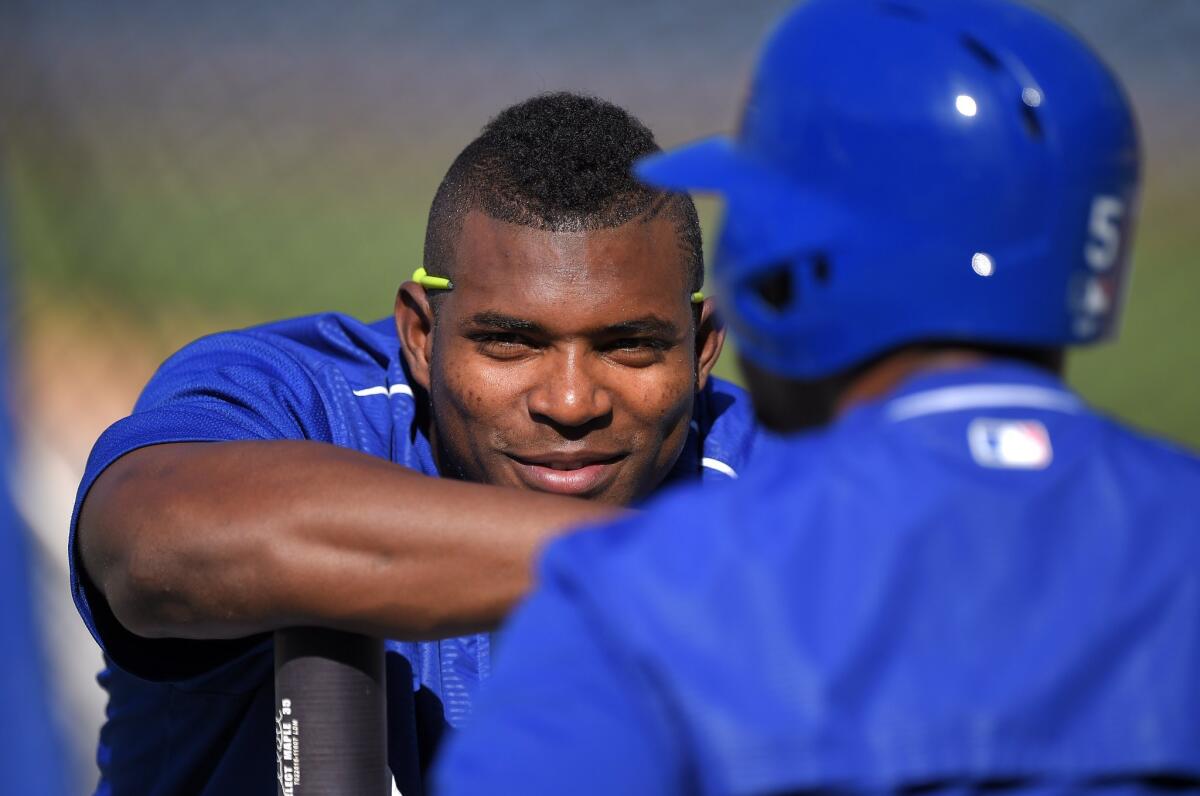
(568, 393)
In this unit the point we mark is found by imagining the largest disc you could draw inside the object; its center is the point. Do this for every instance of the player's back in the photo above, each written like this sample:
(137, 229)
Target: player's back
(977, 584)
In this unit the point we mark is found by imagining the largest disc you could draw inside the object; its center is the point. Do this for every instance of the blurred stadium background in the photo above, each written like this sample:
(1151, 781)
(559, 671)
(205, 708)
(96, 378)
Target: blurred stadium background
(171, 169)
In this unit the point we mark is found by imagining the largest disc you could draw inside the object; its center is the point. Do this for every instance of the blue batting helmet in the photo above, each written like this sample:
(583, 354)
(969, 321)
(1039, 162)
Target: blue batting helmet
(918, 170)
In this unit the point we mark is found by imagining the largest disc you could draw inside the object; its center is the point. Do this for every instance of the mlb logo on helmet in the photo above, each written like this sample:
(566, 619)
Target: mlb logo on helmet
(1010, 444)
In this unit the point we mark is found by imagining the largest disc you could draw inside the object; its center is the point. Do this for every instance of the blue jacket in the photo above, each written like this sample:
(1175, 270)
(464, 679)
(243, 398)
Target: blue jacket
(977, 582)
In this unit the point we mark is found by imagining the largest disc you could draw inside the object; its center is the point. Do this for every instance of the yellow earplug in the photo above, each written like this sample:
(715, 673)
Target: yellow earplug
(431, 282)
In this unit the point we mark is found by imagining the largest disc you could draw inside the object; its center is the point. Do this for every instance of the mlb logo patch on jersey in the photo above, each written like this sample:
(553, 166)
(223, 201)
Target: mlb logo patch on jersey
(1010, 444)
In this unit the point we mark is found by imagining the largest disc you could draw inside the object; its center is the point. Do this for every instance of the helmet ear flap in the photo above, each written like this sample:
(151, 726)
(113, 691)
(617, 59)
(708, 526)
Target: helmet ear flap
(781, 285)
(775, 287)
(766, 306)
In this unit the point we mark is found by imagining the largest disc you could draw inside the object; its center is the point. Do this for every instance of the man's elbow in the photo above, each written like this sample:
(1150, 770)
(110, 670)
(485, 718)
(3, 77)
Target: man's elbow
(158, 590)
(148, 598)
(163, 569)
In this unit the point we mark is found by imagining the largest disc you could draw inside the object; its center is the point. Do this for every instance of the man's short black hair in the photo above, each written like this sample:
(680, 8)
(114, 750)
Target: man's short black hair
(559, 162)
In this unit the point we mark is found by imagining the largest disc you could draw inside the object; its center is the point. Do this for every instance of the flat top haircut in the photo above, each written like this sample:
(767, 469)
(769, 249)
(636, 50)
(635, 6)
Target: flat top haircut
(559, 162)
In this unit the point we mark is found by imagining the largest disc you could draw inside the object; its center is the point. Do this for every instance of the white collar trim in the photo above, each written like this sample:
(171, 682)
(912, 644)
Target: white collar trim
(981, 396)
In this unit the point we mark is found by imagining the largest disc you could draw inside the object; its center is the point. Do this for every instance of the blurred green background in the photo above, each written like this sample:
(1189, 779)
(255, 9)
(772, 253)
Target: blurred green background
(174, 168)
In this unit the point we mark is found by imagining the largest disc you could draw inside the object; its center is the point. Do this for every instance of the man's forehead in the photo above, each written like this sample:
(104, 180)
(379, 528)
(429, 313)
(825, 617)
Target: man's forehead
(639, 264)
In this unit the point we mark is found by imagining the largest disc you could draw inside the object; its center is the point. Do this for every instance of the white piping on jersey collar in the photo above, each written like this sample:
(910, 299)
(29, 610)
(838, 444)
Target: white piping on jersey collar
(395, 389)
(981, 396)
(718, 465)
(711, 463)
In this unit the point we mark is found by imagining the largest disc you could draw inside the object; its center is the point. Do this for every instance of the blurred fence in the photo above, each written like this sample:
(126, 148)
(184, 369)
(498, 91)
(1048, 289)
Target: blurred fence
(173, 168)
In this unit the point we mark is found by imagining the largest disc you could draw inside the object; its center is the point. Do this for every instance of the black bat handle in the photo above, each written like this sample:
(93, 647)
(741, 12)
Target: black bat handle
(330, 714)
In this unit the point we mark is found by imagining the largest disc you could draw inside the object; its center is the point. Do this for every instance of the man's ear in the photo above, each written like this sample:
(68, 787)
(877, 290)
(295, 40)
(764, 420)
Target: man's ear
(415, 326)
(710, 339)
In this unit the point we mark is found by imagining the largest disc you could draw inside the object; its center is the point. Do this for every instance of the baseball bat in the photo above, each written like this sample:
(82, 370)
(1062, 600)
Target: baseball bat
(330, 714)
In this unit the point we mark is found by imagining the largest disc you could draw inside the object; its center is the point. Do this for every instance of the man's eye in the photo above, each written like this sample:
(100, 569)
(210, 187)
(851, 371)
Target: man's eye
(637, 350)
(637, 343)
(502, 344)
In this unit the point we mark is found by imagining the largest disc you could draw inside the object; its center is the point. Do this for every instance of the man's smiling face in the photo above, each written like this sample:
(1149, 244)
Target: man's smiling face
(564, 362)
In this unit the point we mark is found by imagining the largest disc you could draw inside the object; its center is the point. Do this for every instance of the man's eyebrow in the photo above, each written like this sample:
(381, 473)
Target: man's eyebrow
(648, 325)
(508, 323)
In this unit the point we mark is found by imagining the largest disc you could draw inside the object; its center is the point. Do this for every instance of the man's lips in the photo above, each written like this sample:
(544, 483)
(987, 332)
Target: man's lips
(567, 473)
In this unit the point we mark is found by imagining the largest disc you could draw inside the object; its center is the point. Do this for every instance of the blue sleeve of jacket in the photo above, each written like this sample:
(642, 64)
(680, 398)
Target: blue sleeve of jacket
(566, 712)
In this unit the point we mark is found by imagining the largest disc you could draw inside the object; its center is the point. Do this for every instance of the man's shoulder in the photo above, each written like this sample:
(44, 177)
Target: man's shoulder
(325, 377)
(1160, 453)
(294, 350)
(324, 337)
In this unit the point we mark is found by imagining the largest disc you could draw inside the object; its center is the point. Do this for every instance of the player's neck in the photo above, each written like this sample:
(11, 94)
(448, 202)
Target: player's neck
(885, 376)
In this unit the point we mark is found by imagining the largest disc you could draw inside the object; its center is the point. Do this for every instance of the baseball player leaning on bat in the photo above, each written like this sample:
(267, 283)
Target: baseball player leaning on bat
(548, 364)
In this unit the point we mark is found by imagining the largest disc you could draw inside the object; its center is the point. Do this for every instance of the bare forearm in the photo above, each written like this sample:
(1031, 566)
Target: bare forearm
(220, 540)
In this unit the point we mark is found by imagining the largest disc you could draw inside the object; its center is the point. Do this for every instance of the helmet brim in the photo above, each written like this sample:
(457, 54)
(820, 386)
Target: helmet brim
(709, 165)
(768, 213)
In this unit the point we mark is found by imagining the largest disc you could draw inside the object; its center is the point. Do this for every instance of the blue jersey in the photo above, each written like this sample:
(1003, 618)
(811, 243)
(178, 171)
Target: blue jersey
(976, 583)
(197, 716)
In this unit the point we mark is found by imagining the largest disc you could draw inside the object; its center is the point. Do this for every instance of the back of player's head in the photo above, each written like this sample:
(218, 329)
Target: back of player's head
(560, 162)
(960, 171)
